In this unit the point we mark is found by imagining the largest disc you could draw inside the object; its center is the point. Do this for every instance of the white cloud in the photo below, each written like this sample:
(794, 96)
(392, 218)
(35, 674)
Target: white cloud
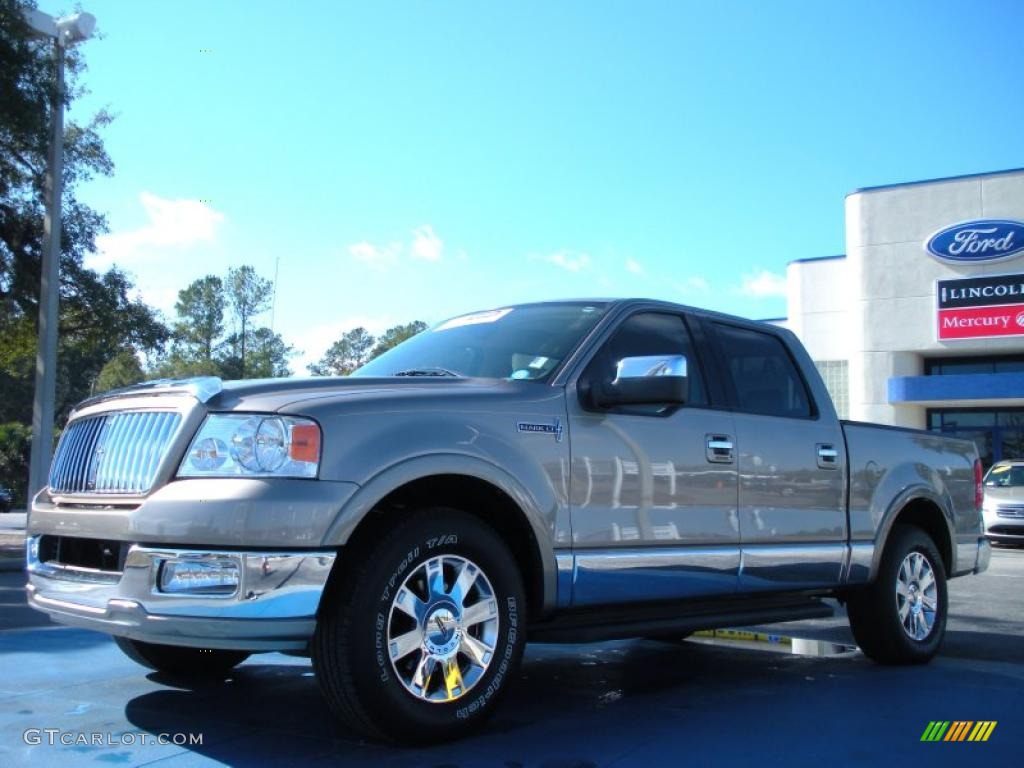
(426, 244)
(635, 266)
(693, 285)
(763, 283)
(377, 256)
(177, 223)
(569, 261)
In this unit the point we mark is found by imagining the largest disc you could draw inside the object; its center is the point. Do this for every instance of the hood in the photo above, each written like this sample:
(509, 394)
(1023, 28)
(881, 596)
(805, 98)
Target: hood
(277, 394)
(292, 394)
(1013, 493)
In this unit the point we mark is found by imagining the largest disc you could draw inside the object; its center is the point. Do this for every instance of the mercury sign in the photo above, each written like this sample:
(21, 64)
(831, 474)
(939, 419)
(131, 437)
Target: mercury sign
(971, 242)
(980, 307)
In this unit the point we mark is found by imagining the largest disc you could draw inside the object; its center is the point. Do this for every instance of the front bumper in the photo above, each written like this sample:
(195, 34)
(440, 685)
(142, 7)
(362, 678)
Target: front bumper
(273, 608)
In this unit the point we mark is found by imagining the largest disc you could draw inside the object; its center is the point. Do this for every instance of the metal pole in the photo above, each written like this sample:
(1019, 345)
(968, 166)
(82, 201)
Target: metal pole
(49, 294)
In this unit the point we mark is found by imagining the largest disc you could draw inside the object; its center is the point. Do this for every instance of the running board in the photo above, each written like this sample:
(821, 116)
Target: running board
(619, 622)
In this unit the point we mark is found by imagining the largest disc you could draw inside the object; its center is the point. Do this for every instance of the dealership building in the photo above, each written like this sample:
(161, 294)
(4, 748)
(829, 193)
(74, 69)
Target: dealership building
(921, 322)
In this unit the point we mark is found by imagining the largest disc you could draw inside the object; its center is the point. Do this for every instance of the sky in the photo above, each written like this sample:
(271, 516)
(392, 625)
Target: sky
(393, 161)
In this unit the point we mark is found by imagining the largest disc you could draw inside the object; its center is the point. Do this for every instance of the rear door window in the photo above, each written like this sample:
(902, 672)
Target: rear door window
(765, 378)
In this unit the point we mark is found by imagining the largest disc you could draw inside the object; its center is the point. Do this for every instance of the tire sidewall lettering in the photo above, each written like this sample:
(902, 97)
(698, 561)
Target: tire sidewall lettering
(495, 684)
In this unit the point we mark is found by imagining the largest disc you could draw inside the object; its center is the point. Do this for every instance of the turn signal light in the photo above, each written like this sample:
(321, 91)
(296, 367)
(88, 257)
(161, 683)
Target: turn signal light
(305, 444)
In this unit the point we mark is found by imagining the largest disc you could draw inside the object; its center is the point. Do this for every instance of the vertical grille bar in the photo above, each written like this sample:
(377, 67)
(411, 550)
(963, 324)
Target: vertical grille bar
(113, 452)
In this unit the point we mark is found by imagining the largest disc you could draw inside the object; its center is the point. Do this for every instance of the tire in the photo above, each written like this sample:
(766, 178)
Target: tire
(366, 617)
(674, 638)
(179, 661)
(876, 612)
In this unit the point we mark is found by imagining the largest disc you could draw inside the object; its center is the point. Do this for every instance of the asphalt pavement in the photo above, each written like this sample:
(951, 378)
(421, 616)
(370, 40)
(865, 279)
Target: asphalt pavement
(626, 703)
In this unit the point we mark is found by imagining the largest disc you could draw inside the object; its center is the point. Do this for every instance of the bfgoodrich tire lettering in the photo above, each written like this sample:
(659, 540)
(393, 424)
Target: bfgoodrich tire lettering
(901, 617)
(417, 639)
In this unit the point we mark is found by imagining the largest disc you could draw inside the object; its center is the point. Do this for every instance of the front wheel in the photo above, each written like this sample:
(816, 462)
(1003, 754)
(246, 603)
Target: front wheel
(416, 641)
(180, 661)
(901, 617)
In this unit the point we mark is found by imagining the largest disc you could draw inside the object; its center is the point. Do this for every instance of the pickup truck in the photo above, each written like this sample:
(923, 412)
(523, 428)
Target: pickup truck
(563, 472)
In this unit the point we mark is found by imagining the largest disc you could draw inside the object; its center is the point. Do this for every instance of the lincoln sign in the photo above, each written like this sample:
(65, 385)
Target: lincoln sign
(980, 307)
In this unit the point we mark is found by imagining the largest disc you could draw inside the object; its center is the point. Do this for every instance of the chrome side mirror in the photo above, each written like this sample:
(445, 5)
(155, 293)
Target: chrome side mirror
(650, 365)
(646, 380)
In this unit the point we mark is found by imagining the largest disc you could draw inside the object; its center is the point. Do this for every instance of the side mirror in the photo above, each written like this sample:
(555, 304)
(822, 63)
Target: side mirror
(648, 380)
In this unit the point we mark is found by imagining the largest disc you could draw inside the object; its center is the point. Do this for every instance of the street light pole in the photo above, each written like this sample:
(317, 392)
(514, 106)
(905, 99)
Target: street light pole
(64, 32)
(49, 293)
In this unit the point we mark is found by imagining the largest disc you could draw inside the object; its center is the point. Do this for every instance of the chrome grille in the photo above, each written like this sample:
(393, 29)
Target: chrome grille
(1013, 513)
(112, 452)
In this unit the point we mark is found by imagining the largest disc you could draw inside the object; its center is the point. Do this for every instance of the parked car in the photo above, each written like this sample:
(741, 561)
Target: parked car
(6, 499)
(567, 471)
(1004, 502)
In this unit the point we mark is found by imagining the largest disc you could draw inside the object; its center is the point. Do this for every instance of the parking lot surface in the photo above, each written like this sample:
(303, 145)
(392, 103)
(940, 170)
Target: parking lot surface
(626, 703)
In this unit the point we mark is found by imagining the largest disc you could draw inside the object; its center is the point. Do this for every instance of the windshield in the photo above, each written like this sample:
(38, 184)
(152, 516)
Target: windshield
(526, 342)
(1005, 476)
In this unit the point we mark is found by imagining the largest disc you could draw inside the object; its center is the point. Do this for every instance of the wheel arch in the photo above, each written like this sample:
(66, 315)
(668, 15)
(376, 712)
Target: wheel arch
(468, 484)
(921, 509)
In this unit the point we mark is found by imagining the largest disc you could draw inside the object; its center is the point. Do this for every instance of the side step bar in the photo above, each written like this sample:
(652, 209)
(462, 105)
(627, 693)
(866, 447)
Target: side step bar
(641, 621)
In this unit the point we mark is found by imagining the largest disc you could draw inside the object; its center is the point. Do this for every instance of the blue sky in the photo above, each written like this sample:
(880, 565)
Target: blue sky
(420, 159)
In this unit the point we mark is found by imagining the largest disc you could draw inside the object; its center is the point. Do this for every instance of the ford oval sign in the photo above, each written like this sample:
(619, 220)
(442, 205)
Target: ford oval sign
(976, 241)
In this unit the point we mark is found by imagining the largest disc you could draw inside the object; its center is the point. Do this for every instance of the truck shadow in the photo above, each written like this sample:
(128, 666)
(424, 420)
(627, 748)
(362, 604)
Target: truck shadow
(577, 702)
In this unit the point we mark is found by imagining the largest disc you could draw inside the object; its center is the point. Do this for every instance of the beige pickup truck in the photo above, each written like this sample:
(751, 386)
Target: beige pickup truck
(563, 471)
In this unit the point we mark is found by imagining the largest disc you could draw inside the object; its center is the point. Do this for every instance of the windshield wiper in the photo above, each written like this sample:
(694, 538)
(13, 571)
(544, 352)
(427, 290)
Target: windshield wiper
(428, 372)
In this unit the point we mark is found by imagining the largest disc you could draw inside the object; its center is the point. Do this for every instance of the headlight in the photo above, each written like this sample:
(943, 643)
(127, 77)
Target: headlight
(248, 445)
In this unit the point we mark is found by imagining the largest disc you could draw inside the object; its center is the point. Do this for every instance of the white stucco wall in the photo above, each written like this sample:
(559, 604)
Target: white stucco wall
(818, 307)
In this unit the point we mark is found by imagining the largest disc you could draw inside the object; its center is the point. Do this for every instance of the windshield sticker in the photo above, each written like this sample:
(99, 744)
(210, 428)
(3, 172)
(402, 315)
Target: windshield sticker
(476, 318)
(1000, 469)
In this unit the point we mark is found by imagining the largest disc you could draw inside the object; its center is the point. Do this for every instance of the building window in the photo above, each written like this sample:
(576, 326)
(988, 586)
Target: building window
(961, 366)
(837, 382)
(998, 433)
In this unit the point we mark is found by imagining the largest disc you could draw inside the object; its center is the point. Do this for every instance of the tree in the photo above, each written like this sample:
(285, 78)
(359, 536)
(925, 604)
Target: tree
(199, 347)
(200, 309)
(15, 443)
(248, 295)
(345, 355)
(268, 354)
(122, 370)
(394, 336)
(97, 317)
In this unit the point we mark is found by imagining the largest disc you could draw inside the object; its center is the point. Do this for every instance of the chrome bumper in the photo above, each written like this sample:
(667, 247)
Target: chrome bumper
(274, 607)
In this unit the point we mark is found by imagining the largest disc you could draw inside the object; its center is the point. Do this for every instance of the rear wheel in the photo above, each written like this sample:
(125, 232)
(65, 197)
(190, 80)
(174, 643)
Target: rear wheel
(180, 661)
(417, 640)
(901, 617)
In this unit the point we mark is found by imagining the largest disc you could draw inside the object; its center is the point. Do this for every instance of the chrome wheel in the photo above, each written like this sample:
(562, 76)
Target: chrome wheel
(917, 596)
(443, 628)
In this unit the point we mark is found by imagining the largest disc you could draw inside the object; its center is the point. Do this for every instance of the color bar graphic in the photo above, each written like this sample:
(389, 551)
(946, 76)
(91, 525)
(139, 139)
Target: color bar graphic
(958, 730)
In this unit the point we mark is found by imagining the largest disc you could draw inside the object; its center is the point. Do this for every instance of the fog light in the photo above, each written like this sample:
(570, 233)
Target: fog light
(199, 577)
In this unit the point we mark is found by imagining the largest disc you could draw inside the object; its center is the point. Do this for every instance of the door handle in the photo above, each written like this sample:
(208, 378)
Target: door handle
(828, 456)
(720, 449)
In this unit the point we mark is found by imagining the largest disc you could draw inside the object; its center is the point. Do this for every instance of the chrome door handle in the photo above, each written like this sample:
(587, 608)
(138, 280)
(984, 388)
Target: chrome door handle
(720, 449)
(828, 456)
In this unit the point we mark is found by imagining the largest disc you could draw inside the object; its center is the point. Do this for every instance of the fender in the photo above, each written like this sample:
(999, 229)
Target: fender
(406, 471)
